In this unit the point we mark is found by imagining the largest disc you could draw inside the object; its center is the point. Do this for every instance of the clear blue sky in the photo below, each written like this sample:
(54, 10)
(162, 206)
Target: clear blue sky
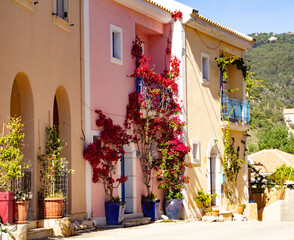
(248, 16)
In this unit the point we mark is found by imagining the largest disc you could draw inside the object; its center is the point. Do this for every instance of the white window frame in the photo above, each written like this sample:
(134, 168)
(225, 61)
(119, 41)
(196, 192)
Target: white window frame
(205, 68)
(197, 158)
(94, 133)
(119, 45)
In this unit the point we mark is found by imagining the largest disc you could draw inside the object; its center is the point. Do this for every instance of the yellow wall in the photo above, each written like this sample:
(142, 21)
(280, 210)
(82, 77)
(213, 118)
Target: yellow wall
(204, 106)
(43, 57)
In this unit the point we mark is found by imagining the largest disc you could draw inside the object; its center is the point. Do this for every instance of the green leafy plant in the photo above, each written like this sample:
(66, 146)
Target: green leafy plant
(205, 199)
(52, 165)
(150, 198)
(22, 195)
(252, 84)
(231, 164)
(11, 157)
(282, 174)
(5, 229)
(242, 205)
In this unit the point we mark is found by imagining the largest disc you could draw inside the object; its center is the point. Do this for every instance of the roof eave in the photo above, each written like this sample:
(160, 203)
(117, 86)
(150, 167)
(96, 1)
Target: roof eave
(215, 30)
(147, 9)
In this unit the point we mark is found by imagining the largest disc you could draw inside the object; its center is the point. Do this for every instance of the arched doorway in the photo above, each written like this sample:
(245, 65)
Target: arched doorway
(62, 119)
(22, 105)
(214, 172)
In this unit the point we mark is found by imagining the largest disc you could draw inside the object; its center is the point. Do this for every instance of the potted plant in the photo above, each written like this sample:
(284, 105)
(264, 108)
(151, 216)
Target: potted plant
(21, 206)
(53, 171)
(204, 201)
(171, 176)
(103, 155)
(11, 165)
(237, 208)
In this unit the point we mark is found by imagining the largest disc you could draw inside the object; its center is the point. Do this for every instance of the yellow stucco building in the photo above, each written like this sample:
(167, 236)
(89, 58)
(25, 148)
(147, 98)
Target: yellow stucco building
(41, 81)
(208, 103)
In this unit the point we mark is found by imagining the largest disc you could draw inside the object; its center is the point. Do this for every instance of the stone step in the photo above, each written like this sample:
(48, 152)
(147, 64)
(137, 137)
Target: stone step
(39, 233)
(136, 221)
(32, 224)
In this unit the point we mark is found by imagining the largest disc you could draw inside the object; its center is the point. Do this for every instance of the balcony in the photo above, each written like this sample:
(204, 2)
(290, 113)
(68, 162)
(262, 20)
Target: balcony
(236, 111)
(156, 101)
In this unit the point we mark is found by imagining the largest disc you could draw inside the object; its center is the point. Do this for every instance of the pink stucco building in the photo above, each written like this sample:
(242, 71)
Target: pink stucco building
(110, 29)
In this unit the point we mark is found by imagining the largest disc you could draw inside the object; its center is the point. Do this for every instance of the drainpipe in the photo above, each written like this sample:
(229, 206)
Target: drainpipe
(86, 63)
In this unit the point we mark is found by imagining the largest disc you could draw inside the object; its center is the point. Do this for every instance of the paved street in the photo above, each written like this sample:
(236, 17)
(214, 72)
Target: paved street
(198, 230)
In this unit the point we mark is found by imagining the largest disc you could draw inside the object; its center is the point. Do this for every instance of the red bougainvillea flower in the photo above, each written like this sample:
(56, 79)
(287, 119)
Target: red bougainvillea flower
(177, 15)
(104, 154)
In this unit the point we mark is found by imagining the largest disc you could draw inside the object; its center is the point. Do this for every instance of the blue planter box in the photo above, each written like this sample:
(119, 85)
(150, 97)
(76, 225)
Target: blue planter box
(114, 213)
(173, 208)
(151, 209)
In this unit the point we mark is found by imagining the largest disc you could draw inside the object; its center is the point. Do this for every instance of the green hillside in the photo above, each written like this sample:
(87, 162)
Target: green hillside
(273, 62)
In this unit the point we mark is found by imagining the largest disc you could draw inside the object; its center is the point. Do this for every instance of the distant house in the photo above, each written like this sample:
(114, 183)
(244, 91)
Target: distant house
(272, 39)
(268, 160)
(289, 116)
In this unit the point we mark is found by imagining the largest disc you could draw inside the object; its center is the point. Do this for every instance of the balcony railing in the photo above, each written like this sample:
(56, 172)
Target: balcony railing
(235, 110)
(156, 101)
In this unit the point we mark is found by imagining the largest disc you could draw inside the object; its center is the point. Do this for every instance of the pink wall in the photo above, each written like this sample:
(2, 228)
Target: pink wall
(110, 84)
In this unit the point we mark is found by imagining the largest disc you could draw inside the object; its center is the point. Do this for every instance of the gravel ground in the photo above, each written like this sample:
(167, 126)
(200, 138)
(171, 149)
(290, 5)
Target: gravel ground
(196, 230)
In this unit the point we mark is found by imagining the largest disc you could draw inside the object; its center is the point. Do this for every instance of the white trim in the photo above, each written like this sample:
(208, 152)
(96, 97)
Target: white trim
(214, 31)
(94, 133)
(119, 46)
(197, 159)
(205, 75)
(147, 9)
(87, 103)
(240, 127)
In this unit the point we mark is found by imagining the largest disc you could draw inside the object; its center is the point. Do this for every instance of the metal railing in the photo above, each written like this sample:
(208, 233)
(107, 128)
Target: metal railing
(156, 101)
(237, 110)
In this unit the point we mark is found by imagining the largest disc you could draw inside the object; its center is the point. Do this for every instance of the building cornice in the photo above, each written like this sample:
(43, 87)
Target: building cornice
(148, 9)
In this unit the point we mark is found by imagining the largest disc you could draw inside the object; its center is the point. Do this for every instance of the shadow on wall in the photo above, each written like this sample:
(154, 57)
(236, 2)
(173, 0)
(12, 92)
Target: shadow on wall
(195, 185)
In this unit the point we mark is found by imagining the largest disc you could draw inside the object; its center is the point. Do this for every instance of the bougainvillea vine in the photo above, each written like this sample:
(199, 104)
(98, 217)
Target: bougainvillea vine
(153, 117)
(104, 154)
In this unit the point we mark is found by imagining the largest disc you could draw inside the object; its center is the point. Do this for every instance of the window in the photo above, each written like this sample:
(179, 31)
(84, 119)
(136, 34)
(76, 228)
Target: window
(116, 44)
(205, 68)
(95, 135)
(61, 9)
(195, 151)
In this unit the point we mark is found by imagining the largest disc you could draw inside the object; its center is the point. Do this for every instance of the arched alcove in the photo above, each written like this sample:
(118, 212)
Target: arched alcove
(214, 172)
(22, 105)
(62, 119)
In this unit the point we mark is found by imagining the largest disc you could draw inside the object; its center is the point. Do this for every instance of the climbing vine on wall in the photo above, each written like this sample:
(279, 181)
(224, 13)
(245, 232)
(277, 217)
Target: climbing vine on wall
(252, 84)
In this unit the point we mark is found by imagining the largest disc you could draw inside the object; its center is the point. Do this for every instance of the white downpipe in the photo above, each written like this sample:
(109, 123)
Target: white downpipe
(87, 103)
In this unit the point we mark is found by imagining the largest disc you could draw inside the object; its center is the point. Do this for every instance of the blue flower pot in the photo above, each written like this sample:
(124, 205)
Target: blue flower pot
(151, 209)
(114, 213)
(173, 208)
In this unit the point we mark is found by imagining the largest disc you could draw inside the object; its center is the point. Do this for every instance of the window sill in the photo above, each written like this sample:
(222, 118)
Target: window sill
(63, 24)
(116, 61)
(28, 4)
(205, 82)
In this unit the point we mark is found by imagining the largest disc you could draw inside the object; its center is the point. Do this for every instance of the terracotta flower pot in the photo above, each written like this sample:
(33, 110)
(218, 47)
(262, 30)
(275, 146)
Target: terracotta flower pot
(52, 207)
(213, 212)
(236, 209)
(21, 211)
